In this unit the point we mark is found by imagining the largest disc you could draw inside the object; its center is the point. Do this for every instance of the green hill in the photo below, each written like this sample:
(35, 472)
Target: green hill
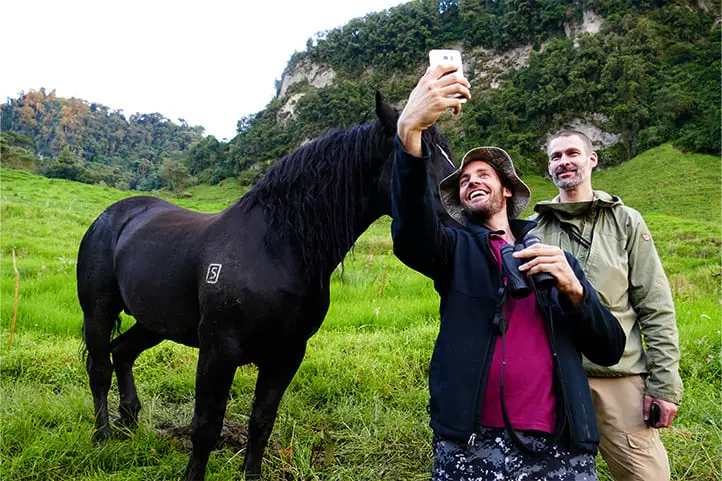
(356, 408)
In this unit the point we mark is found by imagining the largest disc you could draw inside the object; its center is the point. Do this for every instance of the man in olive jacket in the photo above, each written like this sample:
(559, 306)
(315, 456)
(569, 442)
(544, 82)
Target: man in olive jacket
(615, 248)
(509, 396)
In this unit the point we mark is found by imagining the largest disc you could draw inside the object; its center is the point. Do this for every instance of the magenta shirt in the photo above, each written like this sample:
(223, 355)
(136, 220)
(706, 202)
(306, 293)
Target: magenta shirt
(528, 391)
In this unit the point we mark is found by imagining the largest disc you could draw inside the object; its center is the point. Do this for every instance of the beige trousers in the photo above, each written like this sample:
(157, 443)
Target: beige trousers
(633, 451)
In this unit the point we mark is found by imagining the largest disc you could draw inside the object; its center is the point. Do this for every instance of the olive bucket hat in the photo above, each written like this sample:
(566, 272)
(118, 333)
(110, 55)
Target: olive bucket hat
(501, 162)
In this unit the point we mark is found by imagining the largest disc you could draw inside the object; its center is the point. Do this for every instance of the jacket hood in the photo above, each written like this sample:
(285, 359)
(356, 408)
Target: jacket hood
(554, 206)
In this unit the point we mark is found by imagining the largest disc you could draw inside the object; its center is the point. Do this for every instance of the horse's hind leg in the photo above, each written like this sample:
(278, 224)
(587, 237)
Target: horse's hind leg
(125, 349)
(102, 303)
(97, 330)
(273, 379)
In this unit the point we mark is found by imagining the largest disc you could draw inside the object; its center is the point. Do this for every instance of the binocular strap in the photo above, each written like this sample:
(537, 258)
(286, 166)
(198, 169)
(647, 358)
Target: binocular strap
(577, 236)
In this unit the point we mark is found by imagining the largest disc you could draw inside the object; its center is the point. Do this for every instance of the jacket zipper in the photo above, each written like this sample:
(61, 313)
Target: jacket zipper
(487, 363)
(552, 344)
(482, 386)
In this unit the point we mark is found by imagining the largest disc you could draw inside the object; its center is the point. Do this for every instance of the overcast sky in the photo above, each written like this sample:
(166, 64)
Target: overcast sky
(209, 62)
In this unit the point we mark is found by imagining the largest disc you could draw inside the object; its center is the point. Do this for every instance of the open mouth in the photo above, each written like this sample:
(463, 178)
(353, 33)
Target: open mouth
(476, 194)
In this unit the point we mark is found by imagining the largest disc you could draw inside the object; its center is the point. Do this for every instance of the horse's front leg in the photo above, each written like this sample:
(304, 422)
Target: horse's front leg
(217, 363)
(274, 376)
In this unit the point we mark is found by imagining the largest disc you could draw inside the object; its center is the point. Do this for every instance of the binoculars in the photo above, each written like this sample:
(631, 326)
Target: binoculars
(516, 280)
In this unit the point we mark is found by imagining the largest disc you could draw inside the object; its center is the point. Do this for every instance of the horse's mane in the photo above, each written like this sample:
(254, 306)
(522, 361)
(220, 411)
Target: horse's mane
(312, 197)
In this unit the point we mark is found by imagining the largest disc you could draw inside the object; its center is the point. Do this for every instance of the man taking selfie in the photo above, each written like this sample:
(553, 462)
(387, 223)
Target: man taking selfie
(509, 397)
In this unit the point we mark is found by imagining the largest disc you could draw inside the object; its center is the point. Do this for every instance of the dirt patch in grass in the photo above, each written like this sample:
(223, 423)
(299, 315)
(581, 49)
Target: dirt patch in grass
(234, 436)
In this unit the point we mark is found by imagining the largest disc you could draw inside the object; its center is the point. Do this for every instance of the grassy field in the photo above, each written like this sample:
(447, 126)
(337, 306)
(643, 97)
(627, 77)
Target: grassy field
(356, 410)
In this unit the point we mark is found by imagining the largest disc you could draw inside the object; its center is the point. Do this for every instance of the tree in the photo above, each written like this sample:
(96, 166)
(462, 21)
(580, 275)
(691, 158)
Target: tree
(16, 152)
(174, 174)
(66, 166)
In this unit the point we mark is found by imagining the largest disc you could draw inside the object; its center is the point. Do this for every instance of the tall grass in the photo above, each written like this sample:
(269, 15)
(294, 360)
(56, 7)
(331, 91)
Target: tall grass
(356, 409)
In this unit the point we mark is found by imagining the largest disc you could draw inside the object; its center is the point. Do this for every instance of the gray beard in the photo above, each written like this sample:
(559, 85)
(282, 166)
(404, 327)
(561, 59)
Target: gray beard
(575, 181)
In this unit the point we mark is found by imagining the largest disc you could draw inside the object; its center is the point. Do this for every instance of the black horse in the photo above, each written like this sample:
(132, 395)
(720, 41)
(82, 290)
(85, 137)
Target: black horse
(247, 285)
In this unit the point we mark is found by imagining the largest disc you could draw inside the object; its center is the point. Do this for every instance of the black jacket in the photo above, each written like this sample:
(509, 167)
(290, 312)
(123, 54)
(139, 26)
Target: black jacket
(469, 281)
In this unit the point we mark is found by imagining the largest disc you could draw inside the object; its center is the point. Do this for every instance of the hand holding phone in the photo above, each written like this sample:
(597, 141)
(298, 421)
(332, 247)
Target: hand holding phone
(432, 96)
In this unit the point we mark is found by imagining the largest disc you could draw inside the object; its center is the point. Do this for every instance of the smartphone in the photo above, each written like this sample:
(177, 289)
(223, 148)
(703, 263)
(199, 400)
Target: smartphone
(451, 57)
(654, 415)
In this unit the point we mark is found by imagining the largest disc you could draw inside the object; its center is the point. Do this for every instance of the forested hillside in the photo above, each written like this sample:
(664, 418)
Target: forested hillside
(647, 73)
(648, 76)
(73, 139)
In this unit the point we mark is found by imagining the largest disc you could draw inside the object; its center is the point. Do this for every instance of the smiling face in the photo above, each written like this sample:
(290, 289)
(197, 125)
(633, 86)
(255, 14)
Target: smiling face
(571, 162)
(481, 192)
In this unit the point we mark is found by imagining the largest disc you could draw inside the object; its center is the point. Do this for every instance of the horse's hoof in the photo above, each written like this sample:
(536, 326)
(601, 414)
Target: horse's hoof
(125, 423)
(253, 475)
(190, 476)
(101, 435)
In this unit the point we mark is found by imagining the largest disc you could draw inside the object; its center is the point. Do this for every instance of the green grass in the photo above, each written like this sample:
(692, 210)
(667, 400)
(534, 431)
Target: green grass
(356, 409)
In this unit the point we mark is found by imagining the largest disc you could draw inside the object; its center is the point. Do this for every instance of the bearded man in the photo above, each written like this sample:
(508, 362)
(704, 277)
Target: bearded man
(509, 396)
(640, 394)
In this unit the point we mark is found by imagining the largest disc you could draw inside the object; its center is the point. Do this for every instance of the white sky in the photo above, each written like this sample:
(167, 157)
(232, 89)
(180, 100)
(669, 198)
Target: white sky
(209, 62)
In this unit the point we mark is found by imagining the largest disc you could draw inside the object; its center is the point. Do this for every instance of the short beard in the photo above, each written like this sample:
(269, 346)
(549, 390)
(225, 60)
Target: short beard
(481, 215)
(575, 181)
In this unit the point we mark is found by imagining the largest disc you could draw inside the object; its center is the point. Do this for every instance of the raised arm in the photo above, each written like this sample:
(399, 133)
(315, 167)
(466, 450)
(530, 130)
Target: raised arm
(429, 99)
(420, 241)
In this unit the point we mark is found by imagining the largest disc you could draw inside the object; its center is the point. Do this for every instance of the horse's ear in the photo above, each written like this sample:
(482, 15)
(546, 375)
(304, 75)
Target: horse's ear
(387, 114)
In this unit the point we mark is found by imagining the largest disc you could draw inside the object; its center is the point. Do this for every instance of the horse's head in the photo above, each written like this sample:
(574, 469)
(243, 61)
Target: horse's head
(439, 167)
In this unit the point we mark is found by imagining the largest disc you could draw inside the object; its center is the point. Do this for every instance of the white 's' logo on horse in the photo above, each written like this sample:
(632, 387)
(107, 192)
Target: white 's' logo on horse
(214, 272)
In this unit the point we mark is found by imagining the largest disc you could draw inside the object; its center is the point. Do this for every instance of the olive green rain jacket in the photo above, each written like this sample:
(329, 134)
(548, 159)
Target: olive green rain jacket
(616, 250)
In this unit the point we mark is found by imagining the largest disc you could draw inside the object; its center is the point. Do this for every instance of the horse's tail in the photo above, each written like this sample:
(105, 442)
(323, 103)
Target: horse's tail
(114, 333)
(98, 291)
(95, 249)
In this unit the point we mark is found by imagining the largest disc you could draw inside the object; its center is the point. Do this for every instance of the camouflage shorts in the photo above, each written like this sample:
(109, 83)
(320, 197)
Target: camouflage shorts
(493, 457)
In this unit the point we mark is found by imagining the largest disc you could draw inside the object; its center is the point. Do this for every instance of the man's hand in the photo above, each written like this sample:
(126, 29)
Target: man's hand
(550, 259)
(428, 101)
(667, 410)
